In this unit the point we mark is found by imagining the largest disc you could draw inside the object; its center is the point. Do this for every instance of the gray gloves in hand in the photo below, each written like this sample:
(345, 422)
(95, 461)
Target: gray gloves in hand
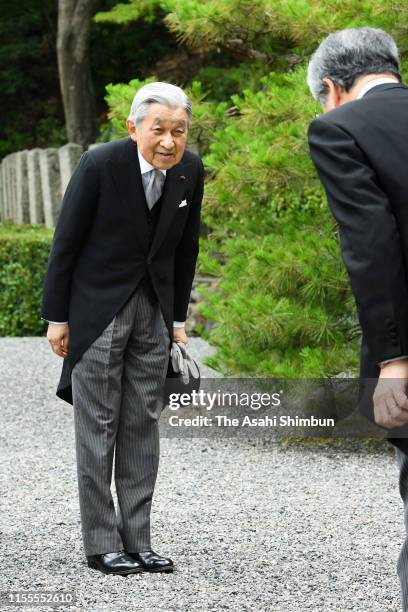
(183, 364)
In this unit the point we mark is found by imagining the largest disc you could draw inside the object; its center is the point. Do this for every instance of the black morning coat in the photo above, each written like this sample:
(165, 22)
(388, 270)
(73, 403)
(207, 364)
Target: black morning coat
(360, 151)
(102, 246)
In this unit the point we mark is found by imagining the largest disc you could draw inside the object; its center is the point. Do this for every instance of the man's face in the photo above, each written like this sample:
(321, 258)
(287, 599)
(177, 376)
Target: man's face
(162, 135)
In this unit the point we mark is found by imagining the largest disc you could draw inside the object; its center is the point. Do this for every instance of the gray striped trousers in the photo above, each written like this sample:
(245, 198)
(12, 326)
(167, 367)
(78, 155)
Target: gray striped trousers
(402, 565)
(116, 388)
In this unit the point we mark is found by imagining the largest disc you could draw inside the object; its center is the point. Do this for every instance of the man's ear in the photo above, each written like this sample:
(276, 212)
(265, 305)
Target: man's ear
(334, 95)
(131, 128)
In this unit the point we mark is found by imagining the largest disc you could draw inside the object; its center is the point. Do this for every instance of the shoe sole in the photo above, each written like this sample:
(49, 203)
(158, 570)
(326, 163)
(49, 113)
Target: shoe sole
(123, 573)
(167, 570)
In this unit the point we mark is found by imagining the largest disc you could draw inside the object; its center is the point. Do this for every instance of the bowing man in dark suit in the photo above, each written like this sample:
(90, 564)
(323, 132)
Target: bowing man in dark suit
(359, 147)
(116, 293)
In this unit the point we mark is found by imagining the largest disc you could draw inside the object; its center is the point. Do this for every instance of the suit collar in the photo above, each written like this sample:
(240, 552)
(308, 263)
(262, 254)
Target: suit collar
(373, 83)
(384, 87)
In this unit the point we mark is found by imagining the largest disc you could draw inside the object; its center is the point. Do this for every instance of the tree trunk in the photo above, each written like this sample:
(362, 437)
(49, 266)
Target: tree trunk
(74, 28)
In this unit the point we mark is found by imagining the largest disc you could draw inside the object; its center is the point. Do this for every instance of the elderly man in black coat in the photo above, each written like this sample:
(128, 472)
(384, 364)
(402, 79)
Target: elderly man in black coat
(116, 293)
(359, 147)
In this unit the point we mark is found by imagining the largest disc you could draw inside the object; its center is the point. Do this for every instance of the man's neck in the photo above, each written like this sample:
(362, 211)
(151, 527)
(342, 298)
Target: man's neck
(365, 80)
(146, 166)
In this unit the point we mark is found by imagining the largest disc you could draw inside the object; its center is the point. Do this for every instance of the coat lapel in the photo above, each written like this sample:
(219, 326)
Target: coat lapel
(125, 171)
(173, 193)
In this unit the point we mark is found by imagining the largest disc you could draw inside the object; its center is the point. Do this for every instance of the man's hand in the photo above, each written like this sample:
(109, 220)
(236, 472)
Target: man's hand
(179, 335)
(58, 337)
(390, 399)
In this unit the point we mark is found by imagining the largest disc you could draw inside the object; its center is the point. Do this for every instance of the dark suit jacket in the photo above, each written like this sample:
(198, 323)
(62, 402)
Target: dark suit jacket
(360, 151)
(101, 248)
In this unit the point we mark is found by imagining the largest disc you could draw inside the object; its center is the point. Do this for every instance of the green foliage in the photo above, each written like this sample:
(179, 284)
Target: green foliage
(263, 27)
(260, 157)
(24, 251)
(282, 306)
(224, 79)
(123, 13)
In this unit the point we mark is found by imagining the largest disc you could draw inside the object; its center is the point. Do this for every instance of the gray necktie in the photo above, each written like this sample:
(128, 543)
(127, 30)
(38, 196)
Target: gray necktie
(154, 188)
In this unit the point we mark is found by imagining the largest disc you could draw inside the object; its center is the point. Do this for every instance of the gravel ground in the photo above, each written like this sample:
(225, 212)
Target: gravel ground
(250, 525)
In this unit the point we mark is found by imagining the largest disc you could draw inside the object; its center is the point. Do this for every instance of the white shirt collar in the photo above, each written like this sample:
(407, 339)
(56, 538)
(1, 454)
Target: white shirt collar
(374, 83)
(145, 166)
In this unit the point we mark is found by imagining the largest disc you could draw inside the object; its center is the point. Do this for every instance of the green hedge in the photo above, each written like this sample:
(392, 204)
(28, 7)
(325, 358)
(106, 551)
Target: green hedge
(24, 251)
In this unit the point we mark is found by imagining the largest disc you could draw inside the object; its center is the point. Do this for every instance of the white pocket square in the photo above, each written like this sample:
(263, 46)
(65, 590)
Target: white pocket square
(183, 203)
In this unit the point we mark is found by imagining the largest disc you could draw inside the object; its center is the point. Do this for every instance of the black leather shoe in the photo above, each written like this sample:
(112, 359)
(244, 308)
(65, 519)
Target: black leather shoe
(152, 562)
(115, 563)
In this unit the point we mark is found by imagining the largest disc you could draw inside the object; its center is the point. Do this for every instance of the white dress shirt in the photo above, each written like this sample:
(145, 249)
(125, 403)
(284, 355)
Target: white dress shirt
(145, 169)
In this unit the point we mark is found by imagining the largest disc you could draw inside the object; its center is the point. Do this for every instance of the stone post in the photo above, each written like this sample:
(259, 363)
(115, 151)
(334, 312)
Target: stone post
(36, 210)
(68, 156)
(50, 185)
(21, 211)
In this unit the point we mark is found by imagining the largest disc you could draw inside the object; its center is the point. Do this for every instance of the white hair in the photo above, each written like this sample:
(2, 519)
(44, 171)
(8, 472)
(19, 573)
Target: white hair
(345, 55)
(158, 93)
